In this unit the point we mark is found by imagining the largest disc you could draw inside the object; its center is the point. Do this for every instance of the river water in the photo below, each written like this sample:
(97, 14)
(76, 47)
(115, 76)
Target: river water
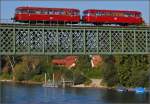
(36, 94)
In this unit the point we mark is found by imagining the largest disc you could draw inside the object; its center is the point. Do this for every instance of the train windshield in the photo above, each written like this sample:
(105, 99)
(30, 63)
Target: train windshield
(76, 13)
(18, 11)
(132, 15)
(89, 14)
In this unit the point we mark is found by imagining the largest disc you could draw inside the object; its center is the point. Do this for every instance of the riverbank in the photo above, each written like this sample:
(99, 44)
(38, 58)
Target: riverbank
(23, 82)
(95, 83)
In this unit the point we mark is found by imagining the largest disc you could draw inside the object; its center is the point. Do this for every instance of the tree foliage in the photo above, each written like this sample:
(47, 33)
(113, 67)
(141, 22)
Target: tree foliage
(127, 70)
(109, 71)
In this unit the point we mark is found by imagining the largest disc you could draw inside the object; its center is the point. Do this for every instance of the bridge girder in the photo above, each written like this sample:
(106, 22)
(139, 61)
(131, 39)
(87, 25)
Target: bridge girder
(43, 40)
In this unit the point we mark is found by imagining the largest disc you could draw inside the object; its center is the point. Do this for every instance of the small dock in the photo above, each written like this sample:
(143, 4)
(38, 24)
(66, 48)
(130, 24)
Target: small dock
(66, 83)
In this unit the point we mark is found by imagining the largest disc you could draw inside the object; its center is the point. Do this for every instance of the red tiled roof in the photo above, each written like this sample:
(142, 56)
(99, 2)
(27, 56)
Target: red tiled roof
(66, 62)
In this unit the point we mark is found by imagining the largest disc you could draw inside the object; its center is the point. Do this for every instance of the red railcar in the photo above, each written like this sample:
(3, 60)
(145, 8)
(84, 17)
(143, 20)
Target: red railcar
(120, 17)
(39, 14)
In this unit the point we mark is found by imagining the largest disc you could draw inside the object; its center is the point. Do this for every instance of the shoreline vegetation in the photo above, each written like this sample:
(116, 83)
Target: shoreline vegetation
(129, 71)
(96, 83)
(21, 82)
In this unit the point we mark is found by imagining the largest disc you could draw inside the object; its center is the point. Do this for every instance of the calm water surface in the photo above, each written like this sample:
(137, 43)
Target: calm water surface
(36, 94)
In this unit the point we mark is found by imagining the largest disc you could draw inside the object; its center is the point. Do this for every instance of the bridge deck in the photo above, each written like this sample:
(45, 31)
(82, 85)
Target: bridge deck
(50, 40)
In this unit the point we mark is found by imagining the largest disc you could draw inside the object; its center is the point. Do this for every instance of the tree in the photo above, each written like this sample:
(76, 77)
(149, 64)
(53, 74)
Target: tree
(109, 72)
(83, 63)
(20, 70)
(132, 70)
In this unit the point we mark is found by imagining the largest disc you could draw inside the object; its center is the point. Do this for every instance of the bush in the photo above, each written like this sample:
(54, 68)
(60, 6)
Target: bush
(38, 78)
(94, 73)
(19, 72)
(87, 82)
(5, 76)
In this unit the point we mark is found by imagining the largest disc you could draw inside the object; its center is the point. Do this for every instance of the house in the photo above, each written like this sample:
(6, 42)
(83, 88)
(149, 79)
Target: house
(68, 61)
(96, 60)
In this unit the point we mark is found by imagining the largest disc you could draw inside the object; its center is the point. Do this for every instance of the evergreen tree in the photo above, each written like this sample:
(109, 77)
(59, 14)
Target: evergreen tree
(109, 71)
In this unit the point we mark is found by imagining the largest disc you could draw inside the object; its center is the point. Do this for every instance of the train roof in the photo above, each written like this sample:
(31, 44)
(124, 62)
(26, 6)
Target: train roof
(44, 8)
(97, 10)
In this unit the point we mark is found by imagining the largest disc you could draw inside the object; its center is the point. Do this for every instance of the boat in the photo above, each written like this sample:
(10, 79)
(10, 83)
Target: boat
(140, 90)
(121, 89)
(131, 89)
(49, 83)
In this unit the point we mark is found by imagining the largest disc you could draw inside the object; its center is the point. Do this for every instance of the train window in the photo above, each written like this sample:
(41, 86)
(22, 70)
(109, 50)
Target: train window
(32, 11)
(138, 15)
(18, 11)
(61, 12)
(44, 11)
(126, 15)
(38, 12)
(102, 14)
(118, 14)
(67, 13)
(56, 12)
(50, 12)
(21, 11)
(24, 11)
(130, 14)
(97, 14)
(71, 12)
(85, 14)
(107, 14)
(75, 13)
(91, 14)
(111, 14)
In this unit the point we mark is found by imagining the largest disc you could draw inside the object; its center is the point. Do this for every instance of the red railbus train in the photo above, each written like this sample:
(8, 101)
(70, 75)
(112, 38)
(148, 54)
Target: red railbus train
(39, 14)
(120, 17)
(72, 16)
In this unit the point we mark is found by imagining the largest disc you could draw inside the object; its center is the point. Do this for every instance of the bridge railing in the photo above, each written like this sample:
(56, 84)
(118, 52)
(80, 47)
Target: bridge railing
(19, 40)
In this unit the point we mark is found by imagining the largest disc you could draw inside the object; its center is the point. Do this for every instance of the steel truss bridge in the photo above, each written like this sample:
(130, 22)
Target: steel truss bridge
(65, 40)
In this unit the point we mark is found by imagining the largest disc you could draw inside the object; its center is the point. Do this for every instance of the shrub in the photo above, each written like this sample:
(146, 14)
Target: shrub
(38, 78)
(19, 72)
(5, 76)
(87, 82)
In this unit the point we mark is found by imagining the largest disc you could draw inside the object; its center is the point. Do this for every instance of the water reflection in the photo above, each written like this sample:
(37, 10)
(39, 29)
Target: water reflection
(36, 94)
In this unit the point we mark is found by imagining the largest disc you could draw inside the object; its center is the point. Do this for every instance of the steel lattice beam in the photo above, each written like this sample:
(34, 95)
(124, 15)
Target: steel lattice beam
(17, 40)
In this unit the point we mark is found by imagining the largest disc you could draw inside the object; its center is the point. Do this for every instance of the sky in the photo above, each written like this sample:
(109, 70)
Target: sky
(8, 6)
